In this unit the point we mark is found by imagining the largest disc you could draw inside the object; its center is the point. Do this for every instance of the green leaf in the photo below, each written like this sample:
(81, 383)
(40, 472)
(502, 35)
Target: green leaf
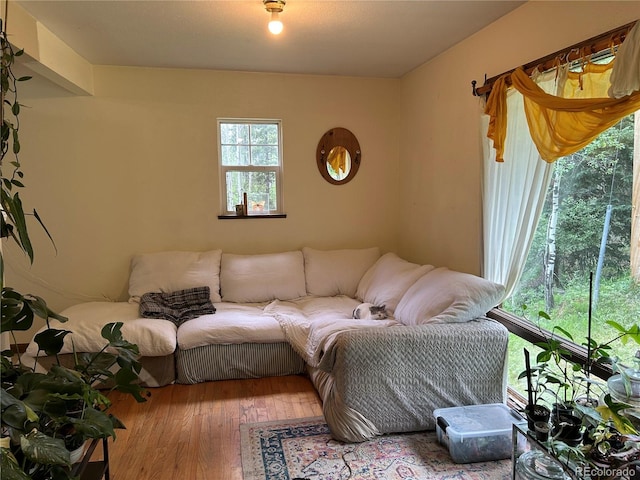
(125, 383)
(543, 357)
(35, 214)
(10, 468)
(65, 373)
(544, 315)
(16, 313)
(51, 340)
(17, 214)
(16, 142)
(15, 109)
(112, 331)
(563, 332)
(38, 305)
(43, 449)
(15, 412)
(24, 78)
(616, 325)
(94, 424)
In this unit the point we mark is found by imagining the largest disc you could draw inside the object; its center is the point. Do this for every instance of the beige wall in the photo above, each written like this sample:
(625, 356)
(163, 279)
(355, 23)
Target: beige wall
(440, 154)
(134, 169)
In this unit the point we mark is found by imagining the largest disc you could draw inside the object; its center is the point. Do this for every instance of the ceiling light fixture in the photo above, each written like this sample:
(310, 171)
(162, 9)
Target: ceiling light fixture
(274, 7)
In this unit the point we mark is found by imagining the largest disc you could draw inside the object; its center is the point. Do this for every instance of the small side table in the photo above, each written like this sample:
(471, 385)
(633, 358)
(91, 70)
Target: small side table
(96, 470)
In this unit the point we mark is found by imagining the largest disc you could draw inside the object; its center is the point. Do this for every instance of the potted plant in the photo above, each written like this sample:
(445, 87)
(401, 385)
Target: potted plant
(610, 438)
(535, 411)
(47, 414)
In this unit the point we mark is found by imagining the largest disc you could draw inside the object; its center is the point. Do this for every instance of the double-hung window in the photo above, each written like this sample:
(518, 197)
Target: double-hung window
(250, 155)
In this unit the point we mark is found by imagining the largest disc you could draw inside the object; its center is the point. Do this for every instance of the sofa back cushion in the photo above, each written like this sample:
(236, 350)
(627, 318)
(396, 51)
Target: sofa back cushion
(388, 279)
(171, 271)
(337, 272)
(261, 278)
(444, 296)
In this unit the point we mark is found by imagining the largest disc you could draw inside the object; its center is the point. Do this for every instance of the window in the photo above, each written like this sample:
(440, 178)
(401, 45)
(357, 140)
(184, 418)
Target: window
(584, 236)
(250, 163)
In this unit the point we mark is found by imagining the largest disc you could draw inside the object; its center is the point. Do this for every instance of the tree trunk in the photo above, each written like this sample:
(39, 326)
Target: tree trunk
(550, 250)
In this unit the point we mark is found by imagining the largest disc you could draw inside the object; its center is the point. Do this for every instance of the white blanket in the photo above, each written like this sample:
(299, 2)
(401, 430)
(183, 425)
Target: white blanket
(312, 324)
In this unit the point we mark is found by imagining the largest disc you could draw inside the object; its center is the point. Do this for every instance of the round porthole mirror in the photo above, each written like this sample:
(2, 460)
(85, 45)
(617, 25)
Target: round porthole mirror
(338, 156)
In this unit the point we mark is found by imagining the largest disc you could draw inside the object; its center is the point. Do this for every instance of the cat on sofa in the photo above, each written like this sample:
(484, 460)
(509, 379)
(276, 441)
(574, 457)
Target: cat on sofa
(368, 311)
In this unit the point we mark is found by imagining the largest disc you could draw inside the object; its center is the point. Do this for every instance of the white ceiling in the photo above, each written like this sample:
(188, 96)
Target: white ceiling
(372, 38)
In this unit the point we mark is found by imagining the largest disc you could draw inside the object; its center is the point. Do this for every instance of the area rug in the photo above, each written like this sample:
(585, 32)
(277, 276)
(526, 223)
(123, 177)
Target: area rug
(304, 450)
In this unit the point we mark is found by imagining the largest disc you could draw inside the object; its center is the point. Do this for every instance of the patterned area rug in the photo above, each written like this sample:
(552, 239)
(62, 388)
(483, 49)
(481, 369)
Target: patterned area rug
(303, 449)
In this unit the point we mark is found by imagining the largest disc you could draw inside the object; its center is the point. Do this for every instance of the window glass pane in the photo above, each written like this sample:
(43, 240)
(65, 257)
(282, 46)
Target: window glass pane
(264, 134)
(235, 155)
(584, 231)
(234, 133)
(264, 155)
(259, 186)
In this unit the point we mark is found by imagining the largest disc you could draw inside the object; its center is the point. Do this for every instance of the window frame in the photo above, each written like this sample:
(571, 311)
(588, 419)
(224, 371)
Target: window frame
(223, 169)
(526, 330)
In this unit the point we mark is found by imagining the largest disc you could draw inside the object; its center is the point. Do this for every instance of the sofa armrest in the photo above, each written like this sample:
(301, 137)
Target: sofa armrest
(396, 377)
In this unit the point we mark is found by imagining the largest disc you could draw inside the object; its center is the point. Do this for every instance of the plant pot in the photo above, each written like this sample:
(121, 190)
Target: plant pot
(560, 409)
(568, 429)
(76, 454)
(537, 413)
(542, 431)
(589, 401)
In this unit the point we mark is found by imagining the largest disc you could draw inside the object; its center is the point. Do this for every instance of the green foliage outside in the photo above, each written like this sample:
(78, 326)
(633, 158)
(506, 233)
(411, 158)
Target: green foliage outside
(619, 301)
(599, 175)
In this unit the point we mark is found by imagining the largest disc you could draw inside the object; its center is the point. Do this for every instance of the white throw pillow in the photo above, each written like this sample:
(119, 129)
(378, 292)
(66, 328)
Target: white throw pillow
(171, 271)
(445, 296)
(388, 279)
(337, 272)
(261, 278)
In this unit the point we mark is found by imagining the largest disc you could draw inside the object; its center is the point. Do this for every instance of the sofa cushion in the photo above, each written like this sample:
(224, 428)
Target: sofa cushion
(171, 271)
(154, 337)
(337, 272)
(261, 278)
(443, 296)
(231, 324)
(388, 279)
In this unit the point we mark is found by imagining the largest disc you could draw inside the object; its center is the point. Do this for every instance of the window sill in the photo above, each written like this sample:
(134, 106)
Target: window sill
(244, 217)
(531, 333)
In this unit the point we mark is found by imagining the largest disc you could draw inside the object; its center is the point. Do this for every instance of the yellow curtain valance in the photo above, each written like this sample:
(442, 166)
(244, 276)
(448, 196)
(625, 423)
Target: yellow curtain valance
(559, 126)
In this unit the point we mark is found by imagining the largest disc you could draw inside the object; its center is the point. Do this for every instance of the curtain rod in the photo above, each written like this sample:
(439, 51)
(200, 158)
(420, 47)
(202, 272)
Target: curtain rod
(591, 46)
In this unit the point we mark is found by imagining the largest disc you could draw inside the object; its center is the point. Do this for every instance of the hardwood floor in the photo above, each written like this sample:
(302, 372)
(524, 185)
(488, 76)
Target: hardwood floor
(192, 432)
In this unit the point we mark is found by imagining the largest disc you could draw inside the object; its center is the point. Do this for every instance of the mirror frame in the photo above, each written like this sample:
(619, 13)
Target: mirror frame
(338, 137)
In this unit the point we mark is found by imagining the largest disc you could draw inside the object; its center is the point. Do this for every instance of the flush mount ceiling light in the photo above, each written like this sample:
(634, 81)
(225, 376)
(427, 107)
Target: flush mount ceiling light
(274, 7)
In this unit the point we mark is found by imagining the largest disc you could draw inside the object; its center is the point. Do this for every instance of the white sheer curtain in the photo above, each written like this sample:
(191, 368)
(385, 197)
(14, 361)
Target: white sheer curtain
(513, 194)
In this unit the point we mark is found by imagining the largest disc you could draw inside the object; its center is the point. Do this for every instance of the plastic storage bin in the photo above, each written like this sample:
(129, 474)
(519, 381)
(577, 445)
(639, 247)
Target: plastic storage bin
(477, 433)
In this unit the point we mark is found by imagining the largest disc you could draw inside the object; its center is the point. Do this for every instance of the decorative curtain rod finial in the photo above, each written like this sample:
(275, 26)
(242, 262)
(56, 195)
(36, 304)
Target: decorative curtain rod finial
(474, 88)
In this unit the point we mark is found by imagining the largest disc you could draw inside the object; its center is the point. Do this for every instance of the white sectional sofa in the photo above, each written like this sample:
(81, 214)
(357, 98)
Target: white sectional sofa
(290, 313)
